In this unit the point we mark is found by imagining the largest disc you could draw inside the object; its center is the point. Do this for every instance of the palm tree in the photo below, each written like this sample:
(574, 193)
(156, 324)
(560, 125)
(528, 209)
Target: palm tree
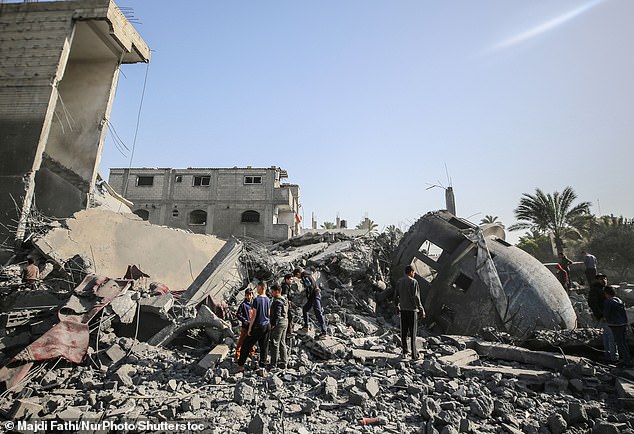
(368, 225)
(328, 225)
(491, 219)
(554, 214)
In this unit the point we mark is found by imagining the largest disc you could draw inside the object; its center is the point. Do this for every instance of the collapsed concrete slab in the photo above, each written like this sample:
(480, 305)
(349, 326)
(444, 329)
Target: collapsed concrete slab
(220, 277)
(471, 278)
(112, 241)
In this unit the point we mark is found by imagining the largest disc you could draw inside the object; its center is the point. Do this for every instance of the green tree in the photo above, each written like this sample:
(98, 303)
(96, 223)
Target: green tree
(612, 242)
(367, 225)
(491, 219)
(538, 245)
(554, 214)
(328, 225)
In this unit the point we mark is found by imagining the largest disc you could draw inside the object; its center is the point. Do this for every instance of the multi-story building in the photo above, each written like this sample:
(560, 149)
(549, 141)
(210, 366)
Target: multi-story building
(59, 68)
(249, 201)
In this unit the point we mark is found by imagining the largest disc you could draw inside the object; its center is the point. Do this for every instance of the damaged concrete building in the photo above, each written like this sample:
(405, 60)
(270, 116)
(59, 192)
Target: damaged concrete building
(251, 202)
(59, 69)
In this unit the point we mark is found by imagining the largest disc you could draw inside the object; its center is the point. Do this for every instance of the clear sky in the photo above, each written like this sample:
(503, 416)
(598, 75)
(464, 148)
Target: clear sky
(366, 102)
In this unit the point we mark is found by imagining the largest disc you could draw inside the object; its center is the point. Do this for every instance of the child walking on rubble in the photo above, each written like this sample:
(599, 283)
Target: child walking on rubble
(243, 314)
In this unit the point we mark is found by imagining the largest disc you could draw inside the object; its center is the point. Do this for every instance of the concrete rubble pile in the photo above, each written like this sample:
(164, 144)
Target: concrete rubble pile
(163, 352)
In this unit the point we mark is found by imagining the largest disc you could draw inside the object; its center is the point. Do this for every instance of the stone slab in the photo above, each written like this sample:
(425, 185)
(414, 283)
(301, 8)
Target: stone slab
(367, 354)
(461, 358)
(215, 356)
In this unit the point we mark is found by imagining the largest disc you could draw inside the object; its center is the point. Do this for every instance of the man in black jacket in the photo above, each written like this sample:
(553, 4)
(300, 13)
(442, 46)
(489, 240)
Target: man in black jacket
(596, 301)
(407, 297)
(279, 324)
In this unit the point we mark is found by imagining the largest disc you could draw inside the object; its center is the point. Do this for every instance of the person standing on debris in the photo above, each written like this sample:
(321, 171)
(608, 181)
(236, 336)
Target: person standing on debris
(596, 301)
(279, 324)
(244, 315)
(407, 297)
(288, 287)
(590, 261)
(565, 263)
(31, 272)
(259, 328)
(616, 319)
(313, 295)
(562, 276)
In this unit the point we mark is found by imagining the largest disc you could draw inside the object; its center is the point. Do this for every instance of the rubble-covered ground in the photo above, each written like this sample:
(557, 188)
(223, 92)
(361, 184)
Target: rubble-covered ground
(355, 380)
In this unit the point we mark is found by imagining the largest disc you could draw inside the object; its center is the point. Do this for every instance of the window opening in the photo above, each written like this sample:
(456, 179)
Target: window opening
(202, 181)
(144, 181)
(250, 217)
(198, 217)
(253, 180)
(462, 282)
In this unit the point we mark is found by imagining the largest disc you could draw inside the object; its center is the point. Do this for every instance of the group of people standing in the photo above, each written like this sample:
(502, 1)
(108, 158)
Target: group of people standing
(606, 307)
(268, 322)
(609, 311)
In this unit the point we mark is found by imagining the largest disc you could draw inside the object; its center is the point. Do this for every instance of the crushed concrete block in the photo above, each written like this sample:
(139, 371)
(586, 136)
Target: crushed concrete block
(482, 406)
(49, 379)
(362, 324)
(556, 423)
(576, 385)
(310, 406)
(123, 375)
(625, 392)
(330, 388)
(326, 348)
(429, 408)
(330, 252)
(125, 307)
(172, 385)
(158, 305)
(243, 393)
(576, 414)
(461, 358)
(258, 425)
(373, 355)
(605, 428)
(115, 353)
(372, 387)
(193, 404)
(357, 396)
(215, 356)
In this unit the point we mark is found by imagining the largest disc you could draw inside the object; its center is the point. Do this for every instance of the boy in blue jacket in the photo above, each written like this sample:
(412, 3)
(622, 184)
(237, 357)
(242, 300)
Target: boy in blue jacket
(243, 314)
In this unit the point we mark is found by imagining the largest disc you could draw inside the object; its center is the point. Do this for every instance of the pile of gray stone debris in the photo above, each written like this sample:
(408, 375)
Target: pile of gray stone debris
(354, 380)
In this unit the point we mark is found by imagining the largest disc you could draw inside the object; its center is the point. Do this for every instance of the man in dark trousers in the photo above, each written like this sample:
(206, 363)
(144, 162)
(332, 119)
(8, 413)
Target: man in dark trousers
(616, 318)
(288, 287)
(259, 328)
(407, 297)
(313, 296)
(596, 301)
(279, 324)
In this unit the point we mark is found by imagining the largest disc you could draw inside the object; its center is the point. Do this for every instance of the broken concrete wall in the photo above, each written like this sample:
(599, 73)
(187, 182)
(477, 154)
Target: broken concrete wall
(112, 241)
(59, 68)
